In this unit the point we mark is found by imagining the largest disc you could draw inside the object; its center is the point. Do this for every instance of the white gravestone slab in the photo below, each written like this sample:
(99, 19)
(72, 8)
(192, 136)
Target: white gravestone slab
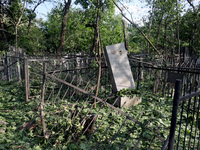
(120, 70)
(119, 67)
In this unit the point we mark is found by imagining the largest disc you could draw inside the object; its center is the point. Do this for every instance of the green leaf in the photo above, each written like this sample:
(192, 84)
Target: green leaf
(83, 146)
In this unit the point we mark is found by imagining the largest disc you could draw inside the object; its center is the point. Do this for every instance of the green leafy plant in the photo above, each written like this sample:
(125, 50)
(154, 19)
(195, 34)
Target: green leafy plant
(128, 92)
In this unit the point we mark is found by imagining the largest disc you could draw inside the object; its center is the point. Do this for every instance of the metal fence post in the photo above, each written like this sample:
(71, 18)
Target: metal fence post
(174, 114)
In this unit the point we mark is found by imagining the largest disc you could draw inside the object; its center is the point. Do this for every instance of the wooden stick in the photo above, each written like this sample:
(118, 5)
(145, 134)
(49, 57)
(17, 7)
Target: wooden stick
(42, 103)
(26, 76)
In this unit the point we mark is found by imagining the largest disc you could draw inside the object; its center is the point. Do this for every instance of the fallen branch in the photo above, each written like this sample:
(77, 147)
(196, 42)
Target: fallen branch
(131, 22)
(42, 103)
(29, 125)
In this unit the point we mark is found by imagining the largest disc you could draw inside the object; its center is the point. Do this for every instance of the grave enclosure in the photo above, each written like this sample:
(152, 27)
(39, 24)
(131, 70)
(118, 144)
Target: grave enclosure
(73, 79)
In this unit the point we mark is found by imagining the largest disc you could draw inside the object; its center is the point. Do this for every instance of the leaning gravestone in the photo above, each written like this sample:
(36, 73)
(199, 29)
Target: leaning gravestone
(121, 75)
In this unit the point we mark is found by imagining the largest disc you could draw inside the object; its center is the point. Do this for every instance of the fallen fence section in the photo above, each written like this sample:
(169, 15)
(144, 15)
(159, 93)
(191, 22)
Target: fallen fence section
(103, 127)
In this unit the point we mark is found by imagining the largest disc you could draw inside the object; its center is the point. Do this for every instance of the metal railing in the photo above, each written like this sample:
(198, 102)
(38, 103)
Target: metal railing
(185, 130)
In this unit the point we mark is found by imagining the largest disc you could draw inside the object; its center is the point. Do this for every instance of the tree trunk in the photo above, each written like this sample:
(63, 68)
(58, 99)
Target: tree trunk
(125, 37)
(131, 22)
(94, 40)
(165, 44)
(16, 26)
(158, 30)
(179, 49)
(64, 26)
(30, 18)
(99, 51)
(193, 30)
(29, 25)
(150, 24)
(2, 23)
(16, 40)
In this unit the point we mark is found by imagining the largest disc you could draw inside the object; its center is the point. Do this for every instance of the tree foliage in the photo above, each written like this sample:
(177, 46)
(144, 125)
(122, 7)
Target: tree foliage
(43, 36)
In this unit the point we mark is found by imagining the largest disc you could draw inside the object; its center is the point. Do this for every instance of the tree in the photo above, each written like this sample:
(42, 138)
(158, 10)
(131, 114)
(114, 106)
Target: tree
(3, 36)
(31, 13)
(109, 26)
(190, 30)
(13, 18)
(34, 43)
(64, 24)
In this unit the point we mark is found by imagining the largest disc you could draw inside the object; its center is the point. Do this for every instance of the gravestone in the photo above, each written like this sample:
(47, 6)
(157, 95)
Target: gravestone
(186, 53)
(120, 71)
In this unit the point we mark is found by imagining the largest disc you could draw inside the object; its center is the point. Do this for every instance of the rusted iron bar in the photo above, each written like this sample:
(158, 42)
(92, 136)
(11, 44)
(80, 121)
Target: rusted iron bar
(188, 96)
(115, 136)
(44, 60)
(103, 120)
(195, 71)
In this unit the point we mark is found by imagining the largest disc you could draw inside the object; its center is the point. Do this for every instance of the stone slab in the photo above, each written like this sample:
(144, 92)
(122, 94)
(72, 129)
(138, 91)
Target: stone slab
(119, 67)
(126, 101)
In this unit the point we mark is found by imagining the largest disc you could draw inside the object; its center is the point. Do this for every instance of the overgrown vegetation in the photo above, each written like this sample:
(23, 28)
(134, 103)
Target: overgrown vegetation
(95, 25)
(18, 134)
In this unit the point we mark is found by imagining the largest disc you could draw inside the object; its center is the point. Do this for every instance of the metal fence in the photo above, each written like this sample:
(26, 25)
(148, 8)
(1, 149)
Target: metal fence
(184, 130)
(71, 84)
(81, 71)
(100, 125)
(11, 66)
(148, 77)
(157, 79)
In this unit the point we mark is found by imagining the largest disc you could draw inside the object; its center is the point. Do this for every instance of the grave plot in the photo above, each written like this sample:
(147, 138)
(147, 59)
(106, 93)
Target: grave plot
(67, 112)
(102, 127)
(73, 115)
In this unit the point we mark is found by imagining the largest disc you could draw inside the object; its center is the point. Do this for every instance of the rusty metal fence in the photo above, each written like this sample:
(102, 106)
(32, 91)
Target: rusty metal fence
(158, 79)
(184, 129)
(99, 125)
(11, 66)
(92, 120)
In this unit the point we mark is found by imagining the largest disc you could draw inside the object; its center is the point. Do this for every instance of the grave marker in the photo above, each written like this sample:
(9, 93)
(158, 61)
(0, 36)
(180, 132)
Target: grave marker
(120, 70)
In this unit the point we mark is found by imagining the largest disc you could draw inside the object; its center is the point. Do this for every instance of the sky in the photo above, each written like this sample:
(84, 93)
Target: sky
(138, 10)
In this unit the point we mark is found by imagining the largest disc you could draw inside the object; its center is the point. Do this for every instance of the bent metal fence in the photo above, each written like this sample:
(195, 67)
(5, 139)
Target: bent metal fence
(158, 80)
(68, 110)
(185, 122)
(80, 71)
(77, 121)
